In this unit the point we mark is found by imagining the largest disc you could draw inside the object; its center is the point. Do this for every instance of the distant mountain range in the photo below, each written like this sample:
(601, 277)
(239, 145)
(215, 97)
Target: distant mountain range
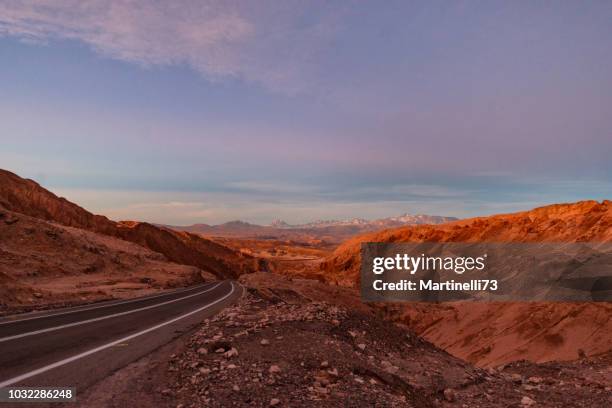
(328, 230)
(405, 219)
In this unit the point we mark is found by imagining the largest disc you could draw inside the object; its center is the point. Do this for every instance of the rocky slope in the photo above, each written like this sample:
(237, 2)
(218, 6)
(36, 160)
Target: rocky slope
(492, 334)
(291, 344)
(44, 264)
(27, 197)
(585, 221)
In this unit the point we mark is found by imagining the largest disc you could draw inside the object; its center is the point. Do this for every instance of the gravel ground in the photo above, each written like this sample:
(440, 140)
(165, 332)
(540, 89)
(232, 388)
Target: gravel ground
(285, 350)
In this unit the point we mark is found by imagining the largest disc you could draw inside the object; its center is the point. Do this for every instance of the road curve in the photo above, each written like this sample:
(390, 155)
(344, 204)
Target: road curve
(77, 347)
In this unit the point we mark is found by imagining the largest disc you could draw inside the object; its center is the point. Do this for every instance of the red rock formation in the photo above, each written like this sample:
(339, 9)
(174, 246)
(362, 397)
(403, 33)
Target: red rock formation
(29, 198)
(584, 221)
(489, 334)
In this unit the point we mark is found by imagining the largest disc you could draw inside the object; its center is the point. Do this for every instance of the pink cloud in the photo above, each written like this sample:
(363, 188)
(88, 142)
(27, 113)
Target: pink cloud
(218, 39)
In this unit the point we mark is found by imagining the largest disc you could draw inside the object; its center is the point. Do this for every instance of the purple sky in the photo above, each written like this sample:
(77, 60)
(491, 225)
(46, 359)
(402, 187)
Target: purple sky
(197, 111)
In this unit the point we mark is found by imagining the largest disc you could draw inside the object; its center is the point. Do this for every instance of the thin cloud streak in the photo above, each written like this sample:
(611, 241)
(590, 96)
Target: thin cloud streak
(185, 208)
(258, 42)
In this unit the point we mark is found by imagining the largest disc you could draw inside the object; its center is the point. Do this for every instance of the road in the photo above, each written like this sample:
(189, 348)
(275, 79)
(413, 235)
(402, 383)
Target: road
(76, 347)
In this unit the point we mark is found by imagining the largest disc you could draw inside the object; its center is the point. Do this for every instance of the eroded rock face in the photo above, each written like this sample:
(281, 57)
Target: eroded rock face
(45, 264)
(585, 221)
(27, 197)
(488, 334)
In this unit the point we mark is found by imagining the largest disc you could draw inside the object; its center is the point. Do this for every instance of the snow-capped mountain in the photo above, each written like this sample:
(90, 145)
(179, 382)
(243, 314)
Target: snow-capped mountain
(405, 219)
(328, 230)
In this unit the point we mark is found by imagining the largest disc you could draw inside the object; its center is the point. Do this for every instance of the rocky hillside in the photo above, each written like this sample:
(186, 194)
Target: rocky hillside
(45, 264)
(491, 334)
(586, 221)
(29, 198)
(294, 344)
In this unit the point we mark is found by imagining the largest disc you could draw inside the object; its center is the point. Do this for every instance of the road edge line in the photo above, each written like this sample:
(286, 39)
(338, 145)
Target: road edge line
(85, 308)
(65, 361)
(97, 319)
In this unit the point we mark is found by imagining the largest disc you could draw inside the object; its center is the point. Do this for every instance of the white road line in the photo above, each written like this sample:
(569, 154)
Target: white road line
(107, 345)
(96, 319)
(123, 302)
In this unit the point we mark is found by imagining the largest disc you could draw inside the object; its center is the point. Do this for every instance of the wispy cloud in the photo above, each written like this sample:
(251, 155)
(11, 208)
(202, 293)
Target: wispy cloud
(259, 42)
(178, 205)
(184, 208)
(272, 187)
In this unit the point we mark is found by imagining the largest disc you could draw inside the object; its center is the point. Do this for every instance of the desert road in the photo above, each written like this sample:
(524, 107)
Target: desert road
(76, 347)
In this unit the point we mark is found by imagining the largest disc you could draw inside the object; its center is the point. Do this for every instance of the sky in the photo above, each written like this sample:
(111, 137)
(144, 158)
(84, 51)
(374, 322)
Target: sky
(197, 111)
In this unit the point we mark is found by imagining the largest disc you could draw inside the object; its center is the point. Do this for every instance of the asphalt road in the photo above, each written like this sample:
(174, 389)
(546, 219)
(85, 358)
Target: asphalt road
(76, 347)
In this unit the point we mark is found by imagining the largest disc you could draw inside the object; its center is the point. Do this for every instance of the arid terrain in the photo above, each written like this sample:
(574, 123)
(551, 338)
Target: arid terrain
(304, 343)
(224, 204)
(300, 335)
(54, 252)
(29, 198)
(493, 334)
(289, 258)
(48, 264)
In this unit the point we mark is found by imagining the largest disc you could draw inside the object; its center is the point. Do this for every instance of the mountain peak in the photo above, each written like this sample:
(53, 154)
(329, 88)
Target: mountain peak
(279, 224)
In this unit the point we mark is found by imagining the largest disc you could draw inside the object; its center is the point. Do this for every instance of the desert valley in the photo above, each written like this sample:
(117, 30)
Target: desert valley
(324, 204)
(300, 290)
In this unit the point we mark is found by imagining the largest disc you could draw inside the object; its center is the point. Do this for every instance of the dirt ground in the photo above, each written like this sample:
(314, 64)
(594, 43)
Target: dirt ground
(281, 347)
